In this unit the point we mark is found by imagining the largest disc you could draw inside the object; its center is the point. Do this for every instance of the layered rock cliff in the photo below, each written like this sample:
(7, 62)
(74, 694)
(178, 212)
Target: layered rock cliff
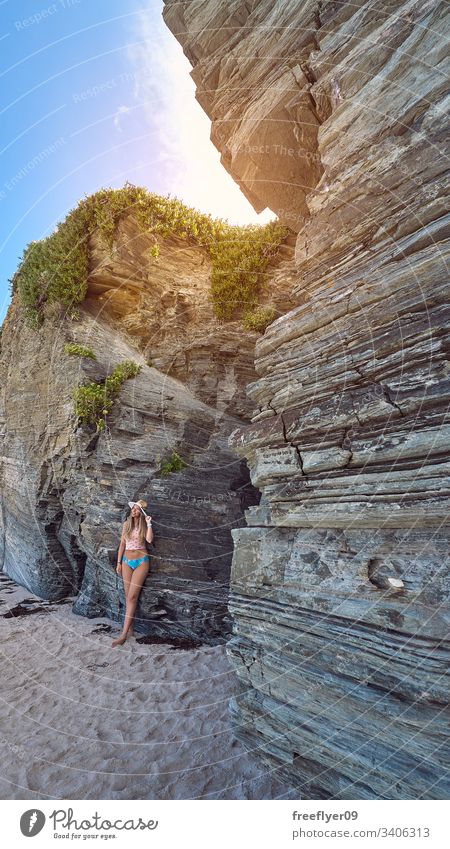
(333, 114)
(65, 487)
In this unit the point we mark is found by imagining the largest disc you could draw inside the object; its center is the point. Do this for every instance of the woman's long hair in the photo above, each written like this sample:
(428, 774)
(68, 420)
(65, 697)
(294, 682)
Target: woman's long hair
(142, 527)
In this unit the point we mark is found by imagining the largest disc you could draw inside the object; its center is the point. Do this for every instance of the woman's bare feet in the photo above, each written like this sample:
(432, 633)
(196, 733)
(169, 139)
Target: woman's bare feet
(120, 640)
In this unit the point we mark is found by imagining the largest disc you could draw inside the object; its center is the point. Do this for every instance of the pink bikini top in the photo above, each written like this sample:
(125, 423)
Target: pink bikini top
(134, 540)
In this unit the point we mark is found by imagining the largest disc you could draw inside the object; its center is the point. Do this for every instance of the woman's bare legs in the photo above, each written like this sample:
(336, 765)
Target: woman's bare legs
(136, 583)
(126, 574)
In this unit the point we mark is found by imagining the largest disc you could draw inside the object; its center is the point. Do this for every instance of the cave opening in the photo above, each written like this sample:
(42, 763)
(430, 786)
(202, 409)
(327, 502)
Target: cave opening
(249, 495)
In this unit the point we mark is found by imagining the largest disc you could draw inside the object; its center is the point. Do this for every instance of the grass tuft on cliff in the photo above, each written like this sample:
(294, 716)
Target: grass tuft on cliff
(56, 268)
(175, 463)
(73, 349)
(260, 318)
(93, 401)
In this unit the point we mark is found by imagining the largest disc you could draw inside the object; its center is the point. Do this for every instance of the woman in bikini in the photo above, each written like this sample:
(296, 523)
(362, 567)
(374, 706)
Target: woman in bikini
(134, 564)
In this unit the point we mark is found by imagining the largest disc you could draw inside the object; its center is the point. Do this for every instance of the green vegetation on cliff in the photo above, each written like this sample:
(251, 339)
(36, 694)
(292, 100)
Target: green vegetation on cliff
(56, 268)
(76, 350)
(175, 463)
(93, 401)
(260, 318)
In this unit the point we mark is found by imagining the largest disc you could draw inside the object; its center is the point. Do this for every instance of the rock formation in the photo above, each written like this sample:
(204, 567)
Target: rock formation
(332, 114)
(65, 488)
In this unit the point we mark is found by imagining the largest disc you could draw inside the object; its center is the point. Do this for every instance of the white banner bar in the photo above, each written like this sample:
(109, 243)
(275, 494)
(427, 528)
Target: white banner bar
(225, 824)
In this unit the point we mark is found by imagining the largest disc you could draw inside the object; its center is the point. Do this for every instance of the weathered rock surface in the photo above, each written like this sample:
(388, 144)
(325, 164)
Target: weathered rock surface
(164, 306)
(65, 488)
(334, 116)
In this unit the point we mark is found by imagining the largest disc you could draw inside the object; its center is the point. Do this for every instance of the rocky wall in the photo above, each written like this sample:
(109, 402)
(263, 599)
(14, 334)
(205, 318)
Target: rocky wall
(333, 114)
(65, 488)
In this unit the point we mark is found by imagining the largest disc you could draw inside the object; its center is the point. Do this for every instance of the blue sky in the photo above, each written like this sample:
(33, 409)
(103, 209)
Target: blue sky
(94, 93)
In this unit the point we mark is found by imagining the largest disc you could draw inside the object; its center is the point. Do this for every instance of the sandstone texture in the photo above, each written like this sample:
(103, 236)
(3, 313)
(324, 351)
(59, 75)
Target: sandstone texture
(333, 115)
(65, 487)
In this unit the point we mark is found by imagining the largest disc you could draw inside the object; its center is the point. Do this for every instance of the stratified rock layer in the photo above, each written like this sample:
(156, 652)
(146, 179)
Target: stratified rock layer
(333, 115)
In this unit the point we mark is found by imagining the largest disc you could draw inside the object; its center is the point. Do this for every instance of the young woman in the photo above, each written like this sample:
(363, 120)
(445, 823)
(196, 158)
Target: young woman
(135, 563)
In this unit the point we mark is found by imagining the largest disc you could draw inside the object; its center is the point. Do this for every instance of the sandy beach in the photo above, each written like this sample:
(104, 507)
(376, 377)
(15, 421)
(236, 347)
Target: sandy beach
(83, 720)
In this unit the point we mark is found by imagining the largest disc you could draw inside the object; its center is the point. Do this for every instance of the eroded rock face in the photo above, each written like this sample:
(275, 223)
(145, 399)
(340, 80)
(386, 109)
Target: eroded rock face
(347, 672)
(251, 69)
(65, 488)
(164, 306)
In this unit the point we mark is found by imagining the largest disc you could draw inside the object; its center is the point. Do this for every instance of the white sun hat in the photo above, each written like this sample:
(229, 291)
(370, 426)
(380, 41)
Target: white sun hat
(141, 504)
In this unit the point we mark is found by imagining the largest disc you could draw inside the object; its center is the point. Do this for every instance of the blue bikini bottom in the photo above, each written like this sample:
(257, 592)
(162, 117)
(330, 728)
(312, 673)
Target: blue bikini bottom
(136, 562)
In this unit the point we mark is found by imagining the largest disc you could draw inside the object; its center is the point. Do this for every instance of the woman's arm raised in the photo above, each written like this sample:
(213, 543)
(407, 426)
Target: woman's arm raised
(149, 534)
